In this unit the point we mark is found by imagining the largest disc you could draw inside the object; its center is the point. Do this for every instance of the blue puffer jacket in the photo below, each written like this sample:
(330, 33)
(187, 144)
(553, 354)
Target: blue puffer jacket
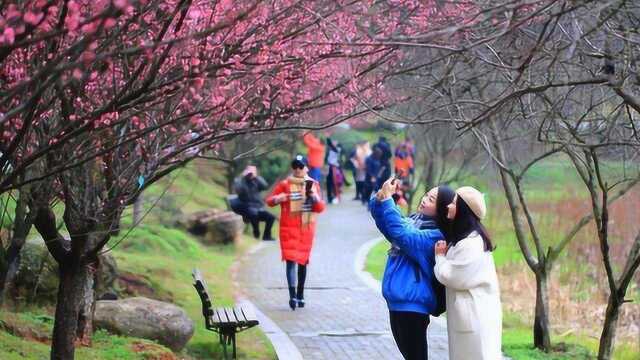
(406, 287)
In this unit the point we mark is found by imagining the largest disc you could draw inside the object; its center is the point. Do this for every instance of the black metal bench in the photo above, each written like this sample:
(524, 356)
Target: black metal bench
(224, 321)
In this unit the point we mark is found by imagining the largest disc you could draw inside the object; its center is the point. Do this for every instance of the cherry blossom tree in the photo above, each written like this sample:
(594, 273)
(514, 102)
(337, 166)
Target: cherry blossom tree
(100, 99)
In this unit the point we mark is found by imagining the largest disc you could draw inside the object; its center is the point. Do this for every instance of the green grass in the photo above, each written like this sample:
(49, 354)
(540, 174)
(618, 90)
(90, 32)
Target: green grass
(7, 210)
(376, 259)
(169, 272)
(164, 256)
(517, 340)
(37, 327)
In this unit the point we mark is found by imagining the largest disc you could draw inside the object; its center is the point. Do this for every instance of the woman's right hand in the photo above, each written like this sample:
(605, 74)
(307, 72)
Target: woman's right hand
(441, 248)
(388, 189)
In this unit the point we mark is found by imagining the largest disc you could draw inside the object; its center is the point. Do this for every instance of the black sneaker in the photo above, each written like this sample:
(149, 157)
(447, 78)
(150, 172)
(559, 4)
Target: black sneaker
(292, 304)
(300, 303)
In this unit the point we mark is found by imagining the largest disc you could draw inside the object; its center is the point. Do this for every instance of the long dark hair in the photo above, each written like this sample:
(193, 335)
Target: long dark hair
(464, 223)
(444, 198)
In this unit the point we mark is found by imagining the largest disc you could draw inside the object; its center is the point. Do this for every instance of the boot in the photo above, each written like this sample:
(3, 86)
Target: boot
(300, 297)
(292, 298)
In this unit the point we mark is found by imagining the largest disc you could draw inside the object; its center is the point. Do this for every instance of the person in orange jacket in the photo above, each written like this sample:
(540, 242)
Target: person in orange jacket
(403, 161)
(300, 200)
(315, 154)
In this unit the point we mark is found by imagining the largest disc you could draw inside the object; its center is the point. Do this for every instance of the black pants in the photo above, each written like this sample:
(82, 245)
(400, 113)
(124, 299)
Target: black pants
(360, 193)
(291, 280)
(268, 219)
(410, 333)
(331, 188)
(367, 189)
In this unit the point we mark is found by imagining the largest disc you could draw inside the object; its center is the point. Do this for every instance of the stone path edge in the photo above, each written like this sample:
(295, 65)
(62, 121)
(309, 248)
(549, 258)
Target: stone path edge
(360, 264)
(373, 283)
(282, 344)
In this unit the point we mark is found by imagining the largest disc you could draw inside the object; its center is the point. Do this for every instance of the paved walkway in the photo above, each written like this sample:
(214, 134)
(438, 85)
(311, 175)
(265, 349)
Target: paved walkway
(343, 317)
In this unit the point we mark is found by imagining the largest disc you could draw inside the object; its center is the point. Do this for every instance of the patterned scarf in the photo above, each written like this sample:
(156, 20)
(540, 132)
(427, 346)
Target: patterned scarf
(299, 203)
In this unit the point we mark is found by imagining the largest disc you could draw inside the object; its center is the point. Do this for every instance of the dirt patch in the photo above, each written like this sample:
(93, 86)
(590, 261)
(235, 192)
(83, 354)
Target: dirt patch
(153, 352)
(569, 315)
(556, 218)
(131, 284)
(13, 326)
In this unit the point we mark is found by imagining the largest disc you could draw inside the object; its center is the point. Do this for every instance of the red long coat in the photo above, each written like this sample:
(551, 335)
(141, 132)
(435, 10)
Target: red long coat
(296, 239)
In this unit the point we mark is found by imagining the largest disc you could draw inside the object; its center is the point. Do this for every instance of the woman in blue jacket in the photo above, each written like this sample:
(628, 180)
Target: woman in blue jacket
(408, 284)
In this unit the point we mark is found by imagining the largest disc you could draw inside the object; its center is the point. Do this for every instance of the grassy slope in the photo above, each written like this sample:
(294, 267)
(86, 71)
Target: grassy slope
(165, 256)
(547, 182)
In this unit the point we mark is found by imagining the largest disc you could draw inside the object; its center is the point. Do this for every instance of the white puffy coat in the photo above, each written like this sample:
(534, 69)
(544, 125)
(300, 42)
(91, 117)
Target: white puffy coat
(474, 313)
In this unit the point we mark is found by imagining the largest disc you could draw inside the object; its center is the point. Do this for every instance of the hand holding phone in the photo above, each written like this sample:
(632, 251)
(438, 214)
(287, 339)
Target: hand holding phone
(308, 187)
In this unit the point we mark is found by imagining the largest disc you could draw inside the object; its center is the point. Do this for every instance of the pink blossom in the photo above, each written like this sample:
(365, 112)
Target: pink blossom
(32, 18)
(9, 35)
(120, 4)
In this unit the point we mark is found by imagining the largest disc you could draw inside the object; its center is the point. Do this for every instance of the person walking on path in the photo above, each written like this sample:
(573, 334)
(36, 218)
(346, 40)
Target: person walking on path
(385, 160)
(249, 203)
(335, 176)
(299, 199)
(464, 264)
(373, 169)
(358, 158)
(408, 284)
(315, 155)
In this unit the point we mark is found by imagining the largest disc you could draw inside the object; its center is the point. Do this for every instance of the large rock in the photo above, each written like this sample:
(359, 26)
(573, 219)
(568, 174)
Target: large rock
(37, 276)
(215, 226)
(147, 319)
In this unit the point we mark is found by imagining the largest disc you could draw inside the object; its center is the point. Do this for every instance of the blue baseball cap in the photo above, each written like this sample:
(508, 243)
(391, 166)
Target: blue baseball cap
(299, 161)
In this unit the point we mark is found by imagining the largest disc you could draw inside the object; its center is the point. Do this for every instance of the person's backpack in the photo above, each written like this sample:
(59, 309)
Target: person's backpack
(441, 297)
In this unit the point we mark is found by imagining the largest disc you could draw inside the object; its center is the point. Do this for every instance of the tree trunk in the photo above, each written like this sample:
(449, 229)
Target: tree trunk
(607, 339)
(541, 331)
(87, 307)
(21, 227)
(73, 279)
(13, 262)
(230, 175)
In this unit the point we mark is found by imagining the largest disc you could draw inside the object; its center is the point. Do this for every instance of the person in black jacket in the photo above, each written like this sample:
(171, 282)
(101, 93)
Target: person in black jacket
(249, 203)
(385, 160)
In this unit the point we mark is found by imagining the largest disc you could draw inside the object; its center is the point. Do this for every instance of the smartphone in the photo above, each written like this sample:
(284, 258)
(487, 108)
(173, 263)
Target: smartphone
(308, 185)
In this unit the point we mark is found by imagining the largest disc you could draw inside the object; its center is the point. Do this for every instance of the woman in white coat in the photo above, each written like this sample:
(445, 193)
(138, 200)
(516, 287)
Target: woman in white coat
(464, 264)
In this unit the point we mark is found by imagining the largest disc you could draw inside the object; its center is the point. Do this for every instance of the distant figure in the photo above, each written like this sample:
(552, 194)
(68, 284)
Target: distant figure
(335, 176)
(315, 154)
(373, 169)
(385, 160)
(299, 199)
(403, 161)
(249, 203)
(358, 160)
(408, 146)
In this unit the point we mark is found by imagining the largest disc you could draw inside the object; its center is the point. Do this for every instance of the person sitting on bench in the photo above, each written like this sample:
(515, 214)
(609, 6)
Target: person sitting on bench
(249, 203)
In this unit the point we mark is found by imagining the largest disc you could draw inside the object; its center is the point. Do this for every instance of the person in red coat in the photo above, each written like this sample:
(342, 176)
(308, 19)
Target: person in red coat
(300, 200)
